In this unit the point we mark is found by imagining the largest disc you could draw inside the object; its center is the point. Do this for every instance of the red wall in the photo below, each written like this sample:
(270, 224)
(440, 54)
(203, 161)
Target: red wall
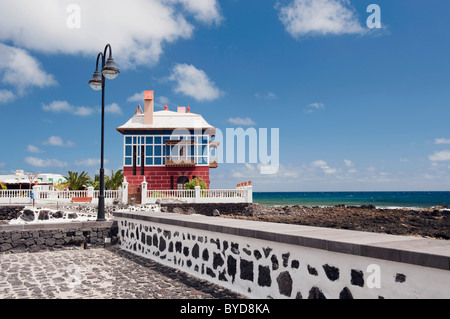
(158, 178)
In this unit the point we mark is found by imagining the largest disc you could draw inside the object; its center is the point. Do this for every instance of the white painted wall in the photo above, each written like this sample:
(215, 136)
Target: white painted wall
(421, 282)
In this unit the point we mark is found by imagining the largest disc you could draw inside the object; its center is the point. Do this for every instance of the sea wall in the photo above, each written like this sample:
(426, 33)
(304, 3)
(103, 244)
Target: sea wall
(10, 212)
(208, 209)
(266, 260)
(41, 237)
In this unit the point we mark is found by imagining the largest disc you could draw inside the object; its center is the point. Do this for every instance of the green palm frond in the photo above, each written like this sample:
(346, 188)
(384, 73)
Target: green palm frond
(115, 181)
(77, 182)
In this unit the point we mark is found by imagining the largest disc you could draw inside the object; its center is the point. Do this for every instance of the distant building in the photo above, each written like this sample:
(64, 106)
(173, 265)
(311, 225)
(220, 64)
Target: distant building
(22, 180)
(167, 148)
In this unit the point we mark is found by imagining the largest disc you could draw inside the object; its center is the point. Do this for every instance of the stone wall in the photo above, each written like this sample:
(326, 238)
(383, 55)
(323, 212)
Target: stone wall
(264, 260)
(34, 238)
(243, 209)
(10, 212)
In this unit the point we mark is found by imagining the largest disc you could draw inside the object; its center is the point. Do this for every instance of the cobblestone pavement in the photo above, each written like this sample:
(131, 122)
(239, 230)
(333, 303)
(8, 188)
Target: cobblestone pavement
(98, 274)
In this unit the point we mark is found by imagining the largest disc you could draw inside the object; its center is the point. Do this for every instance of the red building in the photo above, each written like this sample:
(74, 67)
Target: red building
(167, 148)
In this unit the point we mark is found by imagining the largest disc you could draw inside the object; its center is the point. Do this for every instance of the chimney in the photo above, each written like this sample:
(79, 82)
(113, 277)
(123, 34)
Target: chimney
(148, 107)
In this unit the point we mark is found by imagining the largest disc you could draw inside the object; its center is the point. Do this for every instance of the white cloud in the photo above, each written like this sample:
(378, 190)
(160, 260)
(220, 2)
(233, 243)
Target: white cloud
(113, 108)
(253, 172)
(39, 162)
(194, 83)
(442, 141)
(138, 30)
(440, 156)
(58, 106)
(90, 162)
(82, 110)
(206, 11)
(241, 121)
(64, 106)
(58, 141)
(266, 96)
(34, 149)
(318, 163)
(324, 166)
(21, 70)
(137, 97)
(348, 163)
(6, 96)
(319, 17)
(313, 107)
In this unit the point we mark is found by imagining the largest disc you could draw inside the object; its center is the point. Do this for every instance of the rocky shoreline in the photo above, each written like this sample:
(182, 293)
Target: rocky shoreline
(429, 223)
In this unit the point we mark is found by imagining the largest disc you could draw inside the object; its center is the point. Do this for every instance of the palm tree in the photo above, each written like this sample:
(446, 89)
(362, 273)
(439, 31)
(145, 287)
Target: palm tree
(77, 182)
(115, 181)
(96, 182)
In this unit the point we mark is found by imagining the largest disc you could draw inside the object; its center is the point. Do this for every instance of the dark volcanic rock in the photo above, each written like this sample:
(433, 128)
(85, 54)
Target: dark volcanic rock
(27, 215)
(331, 272)
(284, 281)
(58, 214)
(43, 215)
(407, 222)
(10, 212)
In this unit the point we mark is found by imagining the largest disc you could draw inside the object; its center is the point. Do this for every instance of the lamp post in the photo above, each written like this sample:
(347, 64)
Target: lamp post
(97, 83)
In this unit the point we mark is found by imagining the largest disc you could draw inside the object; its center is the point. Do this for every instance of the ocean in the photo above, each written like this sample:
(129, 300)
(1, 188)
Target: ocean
(378, 199)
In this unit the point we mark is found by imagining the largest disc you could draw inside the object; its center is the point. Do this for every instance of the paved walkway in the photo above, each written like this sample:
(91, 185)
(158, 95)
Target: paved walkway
(98, 274)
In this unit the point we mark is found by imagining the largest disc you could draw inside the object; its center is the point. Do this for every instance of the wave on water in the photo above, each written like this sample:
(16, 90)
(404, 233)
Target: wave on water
(382, 200)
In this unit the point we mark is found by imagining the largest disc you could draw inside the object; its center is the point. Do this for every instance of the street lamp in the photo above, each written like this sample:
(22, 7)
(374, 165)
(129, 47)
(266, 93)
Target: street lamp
(97, 83)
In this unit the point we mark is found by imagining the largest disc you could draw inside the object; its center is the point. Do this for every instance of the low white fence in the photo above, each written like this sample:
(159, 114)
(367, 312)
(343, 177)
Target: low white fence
(117, 194)
(11, 196)
(174, 194)
(238, 195)
(15, 196)
(242, 194)
(59, 195)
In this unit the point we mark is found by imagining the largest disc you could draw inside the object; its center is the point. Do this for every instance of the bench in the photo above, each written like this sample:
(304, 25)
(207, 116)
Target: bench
(81, 199)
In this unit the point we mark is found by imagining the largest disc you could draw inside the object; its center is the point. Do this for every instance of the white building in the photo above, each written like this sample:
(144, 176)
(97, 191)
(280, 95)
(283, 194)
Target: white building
(22, 180)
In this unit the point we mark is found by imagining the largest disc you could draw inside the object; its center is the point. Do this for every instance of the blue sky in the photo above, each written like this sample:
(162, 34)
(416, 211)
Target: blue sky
(357, 108)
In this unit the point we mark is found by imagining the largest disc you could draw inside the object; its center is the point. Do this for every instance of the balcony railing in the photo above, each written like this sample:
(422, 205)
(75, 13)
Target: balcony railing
(183, 161)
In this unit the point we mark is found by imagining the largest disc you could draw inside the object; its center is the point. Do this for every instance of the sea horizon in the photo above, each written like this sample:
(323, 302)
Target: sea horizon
(379, 199)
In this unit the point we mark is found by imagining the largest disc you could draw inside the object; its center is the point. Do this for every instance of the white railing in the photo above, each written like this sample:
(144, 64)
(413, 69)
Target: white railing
(15, 196)
(61, 195)
(175, 194)
(223, 193)
(15, 193)
(238, 195)
(11, 196)
(242, 194)
(109, 194)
